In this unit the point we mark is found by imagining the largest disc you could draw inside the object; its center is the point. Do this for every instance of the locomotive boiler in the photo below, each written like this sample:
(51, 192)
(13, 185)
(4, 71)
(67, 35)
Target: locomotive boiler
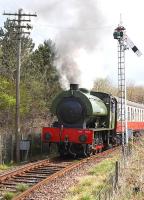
(86, 121)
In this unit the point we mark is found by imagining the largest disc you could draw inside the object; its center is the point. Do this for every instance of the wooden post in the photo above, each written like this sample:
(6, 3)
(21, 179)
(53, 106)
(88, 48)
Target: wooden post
(116, 173)
(1, 149)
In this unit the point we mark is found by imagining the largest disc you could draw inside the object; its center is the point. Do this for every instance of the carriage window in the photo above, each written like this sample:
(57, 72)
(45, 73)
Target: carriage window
(135, 115)
(132, 114)
(128, 113)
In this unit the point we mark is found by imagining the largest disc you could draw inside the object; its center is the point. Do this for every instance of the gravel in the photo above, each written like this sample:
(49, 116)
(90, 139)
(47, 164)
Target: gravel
(58, 189)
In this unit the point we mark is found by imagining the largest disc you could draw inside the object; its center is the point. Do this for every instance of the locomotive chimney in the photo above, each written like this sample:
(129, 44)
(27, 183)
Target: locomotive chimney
(74, 86)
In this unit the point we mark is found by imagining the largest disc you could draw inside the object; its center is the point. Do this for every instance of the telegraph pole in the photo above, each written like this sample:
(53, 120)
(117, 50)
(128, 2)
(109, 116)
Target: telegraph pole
(19, 32)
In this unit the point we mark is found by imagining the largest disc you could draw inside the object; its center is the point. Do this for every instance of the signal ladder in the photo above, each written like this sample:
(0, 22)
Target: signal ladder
(122, 109)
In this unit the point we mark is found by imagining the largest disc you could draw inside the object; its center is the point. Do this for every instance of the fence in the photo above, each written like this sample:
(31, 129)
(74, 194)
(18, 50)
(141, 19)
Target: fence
(112, 183)
(6, 147)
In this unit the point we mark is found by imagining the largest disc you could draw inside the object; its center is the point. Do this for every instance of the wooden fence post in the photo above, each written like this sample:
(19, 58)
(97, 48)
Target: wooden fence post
(116, 173)
(1, 149)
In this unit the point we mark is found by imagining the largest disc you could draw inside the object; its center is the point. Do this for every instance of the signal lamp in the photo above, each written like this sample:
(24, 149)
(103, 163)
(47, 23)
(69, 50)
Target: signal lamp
(118, 35)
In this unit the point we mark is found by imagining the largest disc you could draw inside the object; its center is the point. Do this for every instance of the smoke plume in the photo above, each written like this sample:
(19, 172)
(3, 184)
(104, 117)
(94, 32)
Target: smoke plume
(78, 25)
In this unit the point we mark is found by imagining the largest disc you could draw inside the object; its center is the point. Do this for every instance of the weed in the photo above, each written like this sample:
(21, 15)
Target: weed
(6, 166)
(104, 167)
(8, 196)
(21, 187)
(88, 186)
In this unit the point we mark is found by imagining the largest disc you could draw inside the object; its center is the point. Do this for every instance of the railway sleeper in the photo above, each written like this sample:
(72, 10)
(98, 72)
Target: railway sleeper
(7, 189)
(48, 168)
(8, 183)
(24, 179)
(7, 186)
(38, 173)
(44, 172)
(30, 176)
(17, 180)
(13, 184)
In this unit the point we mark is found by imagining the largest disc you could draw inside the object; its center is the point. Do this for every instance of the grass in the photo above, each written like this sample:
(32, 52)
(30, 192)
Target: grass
(21, 187)
(104, 167)
(6, 166)
(132, 177)
(8, 196)
(96, 179)
(89, 185)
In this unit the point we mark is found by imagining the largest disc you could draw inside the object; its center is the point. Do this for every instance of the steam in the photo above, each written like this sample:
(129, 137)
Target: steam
(84, 35)
(69, 70)
(78, 24)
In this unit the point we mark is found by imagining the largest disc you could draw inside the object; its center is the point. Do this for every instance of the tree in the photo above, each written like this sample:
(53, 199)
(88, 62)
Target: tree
(135, 93)
(104, 85)
(43, 60)
(39, 78)
(7, 101)
(8, 55)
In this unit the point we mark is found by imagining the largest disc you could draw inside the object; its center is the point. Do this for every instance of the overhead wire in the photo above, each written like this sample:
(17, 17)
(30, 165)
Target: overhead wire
(72, 28)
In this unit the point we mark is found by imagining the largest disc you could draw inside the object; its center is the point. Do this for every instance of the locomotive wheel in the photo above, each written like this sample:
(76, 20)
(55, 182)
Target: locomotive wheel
(76, 150)
(88, 150)
(62, 150)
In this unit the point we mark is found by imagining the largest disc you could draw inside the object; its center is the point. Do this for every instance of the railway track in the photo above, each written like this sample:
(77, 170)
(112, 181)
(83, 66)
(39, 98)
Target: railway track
(36, 174)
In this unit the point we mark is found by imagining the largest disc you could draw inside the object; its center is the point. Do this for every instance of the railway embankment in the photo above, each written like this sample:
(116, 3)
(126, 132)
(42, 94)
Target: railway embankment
(108, 176)
(89, 185)
(131, 179)
(112, 179)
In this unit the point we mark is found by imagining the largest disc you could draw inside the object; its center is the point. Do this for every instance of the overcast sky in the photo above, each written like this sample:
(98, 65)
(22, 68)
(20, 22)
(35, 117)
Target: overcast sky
(83, 32)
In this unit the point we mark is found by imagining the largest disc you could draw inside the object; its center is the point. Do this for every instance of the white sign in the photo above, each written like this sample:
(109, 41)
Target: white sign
(24, 145)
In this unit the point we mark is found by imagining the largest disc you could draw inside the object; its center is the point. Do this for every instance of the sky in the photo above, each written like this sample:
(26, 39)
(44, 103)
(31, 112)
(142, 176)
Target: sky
(83, 33)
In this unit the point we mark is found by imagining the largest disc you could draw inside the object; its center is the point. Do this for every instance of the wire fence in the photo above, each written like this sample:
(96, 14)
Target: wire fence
(112, 183)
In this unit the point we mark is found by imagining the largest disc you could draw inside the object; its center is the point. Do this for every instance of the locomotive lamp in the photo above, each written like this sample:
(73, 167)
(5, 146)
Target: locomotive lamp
(47, 136)
(82, 138)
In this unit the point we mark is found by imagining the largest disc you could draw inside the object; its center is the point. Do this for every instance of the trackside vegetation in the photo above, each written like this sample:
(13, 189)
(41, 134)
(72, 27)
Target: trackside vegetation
(131, 181)
(89, 185)
(8, 196)
(96, 185)
(39, 84)
(6, 166)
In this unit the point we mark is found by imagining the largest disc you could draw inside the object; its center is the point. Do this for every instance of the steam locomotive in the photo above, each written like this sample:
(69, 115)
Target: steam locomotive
(86, 122)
